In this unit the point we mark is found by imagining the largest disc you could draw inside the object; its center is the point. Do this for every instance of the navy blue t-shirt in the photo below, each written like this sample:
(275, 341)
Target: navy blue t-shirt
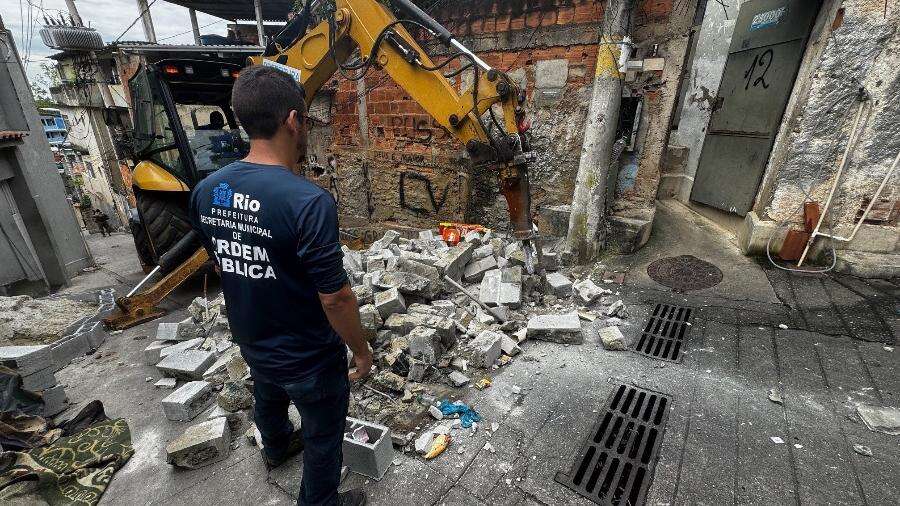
(275, 238)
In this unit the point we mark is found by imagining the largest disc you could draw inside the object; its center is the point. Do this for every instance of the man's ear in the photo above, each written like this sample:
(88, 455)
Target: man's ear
(292, 121)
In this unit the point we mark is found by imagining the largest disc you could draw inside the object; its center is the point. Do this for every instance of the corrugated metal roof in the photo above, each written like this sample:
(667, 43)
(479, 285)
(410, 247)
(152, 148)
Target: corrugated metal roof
(12, 135)
(272, 10)
(146, 47)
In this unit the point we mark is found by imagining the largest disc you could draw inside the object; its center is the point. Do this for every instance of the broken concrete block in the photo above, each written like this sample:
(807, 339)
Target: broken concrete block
(179, 347)
(425, 345)
(473, 237)
(369, 457)
(420, 258)
(417, 371)
(615, 308)
(407, 282)
(352, 260)
(187, 365)
(612, 339)
(375, 265)
(235, 420)
(502, 287)
(509, 346)
(234, 396)
(201, 445)
(188, 401)
(403, 324)
(484, 349)
(218, 371)
(426, 235)
(363, 294)
(370, 320)
(457, 378)
(475, 270)
(483, 251)
(168, 332)
(26, 359)
(39, 380)
(166, 383)
(455, 259)
(559, 285)
(389, 302)
(556, 328)
(389, 237)
(389, 381)
(435, 412)
(588, 291)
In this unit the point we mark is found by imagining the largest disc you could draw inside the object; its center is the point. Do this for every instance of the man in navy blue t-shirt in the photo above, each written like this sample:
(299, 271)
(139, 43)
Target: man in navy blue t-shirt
(274, 237)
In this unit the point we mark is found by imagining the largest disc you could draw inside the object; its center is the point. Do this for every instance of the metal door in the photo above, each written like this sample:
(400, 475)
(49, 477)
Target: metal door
(765, 54)
(17, 259)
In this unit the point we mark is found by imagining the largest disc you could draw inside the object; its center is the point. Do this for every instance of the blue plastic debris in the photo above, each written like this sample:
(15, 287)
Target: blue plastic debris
(467, 415)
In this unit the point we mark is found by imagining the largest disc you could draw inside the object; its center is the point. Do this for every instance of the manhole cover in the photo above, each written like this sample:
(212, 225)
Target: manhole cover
(665, 333)
(684, 273)
(616, 463)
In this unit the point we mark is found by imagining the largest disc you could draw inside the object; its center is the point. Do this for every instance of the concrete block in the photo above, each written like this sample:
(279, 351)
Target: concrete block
(426, 235)
(455, 259)
(551, 73)
(754, 234)
(484, 349)
(370, 320)
(26, 359)
(425, 345)
(188, 401)
(390, 237)
(55, 400)
(67, 348)
(417, 371)
(375, 264)
(187, 365)
(364, 294)
(235, 420)
(559, 285)
(168, 332)
(352, 260)
(201, 445)
(218, 371)
(152, 353)
(588, 291)
(473, 237)
(457, 378)
(234, 396)
(483, 251)
(628, 235)
(403, 324)
(502, 287)
(509, 346)
(187, 330)
(389, 302)
(39, 380)
(556, 328)
(550, 261)
(421, 258)
(474, 271)
(612, 339)
(179, 347)
(168, 383)
(407, 282)
(373, 457)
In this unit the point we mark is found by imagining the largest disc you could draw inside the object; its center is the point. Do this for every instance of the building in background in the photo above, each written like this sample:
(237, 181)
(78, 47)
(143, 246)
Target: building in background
(54, 126)
(41, 246)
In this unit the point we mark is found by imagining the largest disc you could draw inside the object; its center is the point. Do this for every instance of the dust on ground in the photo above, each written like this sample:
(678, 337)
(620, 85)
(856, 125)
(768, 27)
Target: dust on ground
(27, 321)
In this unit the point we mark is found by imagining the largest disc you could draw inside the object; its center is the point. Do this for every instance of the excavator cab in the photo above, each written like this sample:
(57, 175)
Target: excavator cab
(184, 129)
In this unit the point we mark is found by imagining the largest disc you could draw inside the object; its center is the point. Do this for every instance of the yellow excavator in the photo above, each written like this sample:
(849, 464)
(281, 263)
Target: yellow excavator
(353, 37)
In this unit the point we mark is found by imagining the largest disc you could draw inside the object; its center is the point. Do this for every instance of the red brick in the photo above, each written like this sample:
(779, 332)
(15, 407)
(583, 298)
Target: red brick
(503, 22)
(565, 15)
(517, 23)
(548, 18)
(533, 19)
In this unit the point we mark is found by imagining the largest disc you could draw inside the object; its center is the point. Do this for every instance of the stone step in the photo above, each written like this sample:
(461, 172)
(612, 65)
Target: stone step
(868, 265)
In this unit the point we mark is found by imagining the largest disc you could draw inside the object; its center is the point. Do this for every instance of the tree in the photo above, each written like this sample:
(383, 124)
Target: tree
(40, 85)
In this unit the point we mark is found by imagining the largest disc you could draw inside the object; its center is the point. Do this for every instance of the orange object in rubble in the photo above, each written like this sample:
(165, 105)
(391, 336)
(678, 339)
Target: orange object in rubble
(452, 232)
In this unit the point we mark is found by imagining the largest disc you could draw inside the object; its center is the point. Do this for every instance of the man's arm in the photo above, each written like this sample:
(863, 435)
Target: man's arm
(319, 251)
(342, 311)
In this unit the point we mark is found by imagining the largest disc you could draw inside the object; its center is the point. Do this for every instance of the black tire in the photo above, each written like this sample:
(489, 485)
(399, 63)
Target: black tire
(164, 216)
(142, 245)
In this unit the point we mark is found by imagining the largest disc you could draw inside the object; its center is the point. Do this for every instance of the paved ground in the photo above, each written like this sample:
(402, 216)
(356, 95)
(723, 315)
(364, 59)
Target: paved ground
(716, 448)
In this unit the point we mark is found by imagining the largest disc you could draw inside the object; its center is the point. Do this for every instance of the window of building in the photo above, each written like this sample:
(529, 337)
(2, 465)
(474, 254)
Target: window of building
(90, 168)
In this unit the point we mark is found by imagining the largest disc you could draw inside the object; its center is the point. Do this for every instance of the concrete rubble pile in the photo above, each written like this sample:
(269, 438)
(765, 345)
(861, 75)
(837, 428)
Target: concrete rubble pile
(430, 342)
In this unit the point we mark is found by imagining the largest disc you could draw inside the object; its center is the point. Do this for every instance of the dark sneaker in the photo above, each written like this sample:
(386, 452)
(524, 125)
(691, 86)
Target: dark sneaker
(354, 497)
(295, 446)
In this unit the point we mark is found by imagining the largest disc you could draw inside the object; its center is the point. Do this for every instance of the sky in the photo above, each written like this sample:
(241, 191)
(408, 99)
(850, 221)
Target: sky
(109, 17)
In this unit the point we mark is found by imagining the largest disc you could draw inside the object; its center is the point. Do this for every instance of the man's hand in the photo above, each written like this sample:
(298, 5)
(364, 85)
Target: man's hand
(363, 366)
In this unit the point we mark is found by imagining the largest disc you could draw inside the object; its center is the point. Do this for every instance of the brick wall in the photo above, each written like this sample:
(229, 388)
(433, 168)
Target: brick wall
(413, 172)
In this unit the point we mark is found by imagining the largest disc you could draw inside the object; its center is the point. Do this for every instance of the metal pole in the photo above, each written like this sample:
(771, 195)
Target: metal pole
(260, 30)
(147, 21)
(194, 26)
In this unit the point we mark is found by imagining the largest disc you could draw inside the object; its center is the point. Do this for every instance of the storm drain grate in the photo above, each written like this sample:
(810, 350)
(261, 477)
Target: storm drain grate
(616, 463)
(666, 332)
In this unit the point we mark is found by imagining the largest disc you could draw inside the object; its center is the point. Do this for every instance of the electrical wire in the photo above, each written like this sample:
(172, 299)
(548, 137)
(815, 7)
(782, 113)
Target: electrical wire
(139, 16)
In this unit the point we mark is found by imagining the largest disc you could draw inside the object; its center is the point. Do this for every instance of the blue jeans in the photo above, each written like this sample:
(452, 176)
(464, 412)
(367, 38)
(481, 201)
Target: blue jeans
(322, 401)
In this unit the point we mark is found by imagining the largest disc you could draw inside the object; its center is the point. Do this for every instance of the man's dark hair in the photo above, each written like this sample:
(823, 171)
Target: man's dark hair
(263, 97)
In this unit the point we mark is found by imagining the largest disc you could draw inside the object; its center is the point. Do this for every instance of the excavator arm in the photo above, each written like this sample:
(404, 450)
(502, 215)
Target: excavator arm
(383, 42)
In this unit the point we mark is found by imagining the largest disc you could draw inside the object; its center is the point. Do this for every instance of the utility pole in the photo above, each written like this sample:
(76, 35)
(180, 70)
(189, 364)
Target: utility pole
(73, 12)
(260, 28)
(194, 26)
(587, 223)
(147, 21)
